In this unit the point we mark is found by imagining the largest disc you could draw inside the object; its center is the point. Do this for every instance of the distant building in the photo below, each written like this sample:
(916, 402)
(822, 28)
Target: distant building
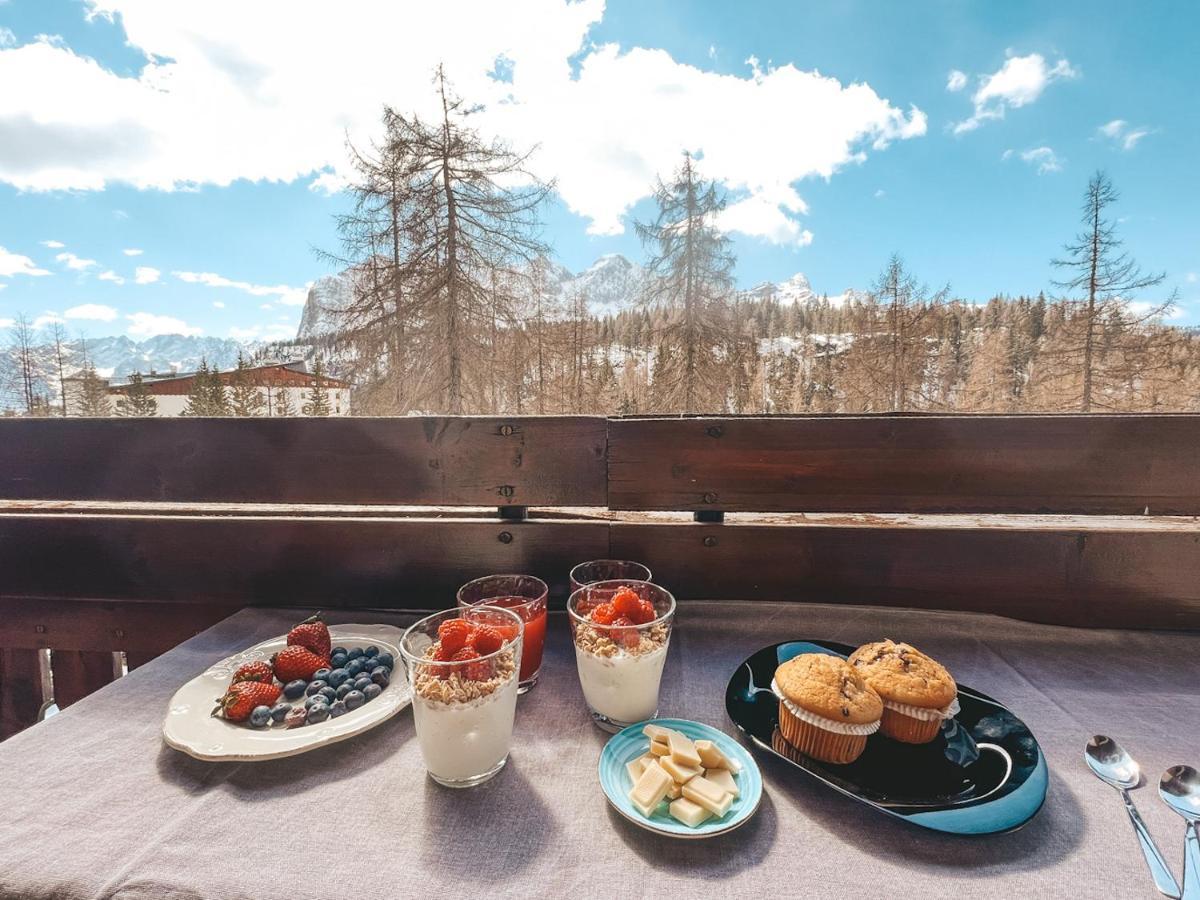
(170, 391)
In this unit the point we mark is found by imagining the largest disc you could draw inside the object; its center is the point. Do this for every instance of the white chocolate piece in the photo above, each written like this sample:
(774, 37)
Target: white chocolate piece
(710, 755)
(733, 765)
(724, 778)
(689, 813)
(650, 789)
(657, 732)
(683, 751)
(636, 767)
(678, 771)
(659, 748)
(711, 796)
(674, 792)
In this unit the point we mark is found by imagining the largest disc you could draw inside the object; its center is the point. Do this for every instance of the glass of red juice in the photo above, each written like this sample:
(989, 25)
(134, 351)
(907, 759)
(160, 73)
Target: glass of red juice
(525, 596)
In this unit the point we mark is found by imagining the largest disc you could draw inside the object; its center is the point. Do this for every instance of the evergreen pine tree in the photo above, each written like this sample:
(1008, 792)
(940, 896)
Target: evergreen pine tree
(137, 400)
(317, 403)
(93, 395)
(283, 402)
(207, 396)
(245, 399)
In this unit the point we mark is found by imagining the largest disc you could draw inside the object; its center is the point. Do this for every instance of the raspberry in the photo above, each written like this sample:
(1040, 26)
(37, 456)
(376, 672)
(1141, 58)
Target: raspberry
(604, 614)
(624, 635)
(645, 613)
(625, 602)
(454, 634)
(486, 639)
(475, 671)
(623, 621)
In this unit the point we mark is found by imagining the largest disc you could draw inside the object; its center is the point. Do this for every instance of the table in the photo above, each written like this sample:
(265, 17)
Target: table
(96, 806)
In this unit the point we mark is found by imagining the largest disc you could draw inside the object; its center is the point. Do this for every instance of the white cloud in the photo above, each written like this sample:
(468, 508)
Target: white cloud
(956, 80)
(1122, 134)
(110, 275)
(7, 323)
(218, 304)
(71, 261)
(146, 325)
(16, 264)
(1044, 158)
(53, 245)
(132, 251)
(146, 275)
(880, 194)
(47, 318)
(1019, 82)
(289, 296)
(7, 38)
(92, 311)
(272, 332)
(227, 94)
(1007, 154)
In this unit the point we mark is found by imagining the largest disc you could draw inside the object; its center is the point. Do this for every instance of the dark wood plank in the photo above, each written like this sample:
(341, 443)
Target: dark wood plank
(142, 629)
(1124, 465)
(77, 673)
(312, 561)
(1069, 576)
(20, 690)
(538, 461)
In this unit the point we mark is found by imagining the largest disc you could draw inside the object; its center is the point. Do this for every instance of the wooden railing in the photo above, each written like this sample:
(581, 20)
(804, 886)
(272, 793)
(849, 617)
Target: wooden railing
(132, 535)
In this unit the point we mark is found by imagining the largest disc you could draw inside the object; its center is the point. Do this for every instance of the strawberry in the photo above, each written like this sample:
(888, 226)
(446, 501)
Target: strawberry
(254, 671)
(241, 698)
(486, 639)
(312, 634)
(295, 662)
(454, 634)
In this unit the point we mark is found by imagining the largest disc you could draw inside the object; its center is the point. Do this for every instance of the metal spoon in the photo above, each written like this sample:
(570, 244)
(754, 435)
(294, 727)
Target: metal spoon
(1112, 765)
(1180, 789)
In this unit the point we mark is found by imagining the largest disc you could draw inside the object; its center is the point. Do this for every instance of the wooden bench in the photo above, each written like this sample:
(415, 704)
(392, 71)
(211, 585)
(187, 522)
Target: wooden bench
(130, 535)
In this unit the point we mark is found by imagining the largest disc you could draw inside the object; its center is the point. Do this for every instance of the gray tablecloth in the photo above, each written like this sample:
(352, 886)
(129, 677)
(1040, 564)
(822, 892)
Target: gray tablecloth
(92, 804)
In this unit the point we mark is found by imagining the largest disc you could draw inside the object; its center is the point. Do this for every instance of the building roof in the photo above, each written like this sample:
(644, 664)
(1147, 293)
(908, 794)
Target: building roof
(293, 367)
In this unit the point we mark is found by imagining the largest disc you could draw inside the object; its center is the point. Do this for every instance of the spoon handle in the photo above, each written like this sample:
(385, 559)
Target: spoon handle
(1191, 863)
(1163, 879)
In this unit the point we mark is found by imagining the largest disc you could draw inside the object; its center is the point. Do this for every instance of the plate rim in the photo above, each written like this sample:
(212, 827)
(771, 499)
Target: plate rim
(657, 829)
(1038, 778)
(380, 632)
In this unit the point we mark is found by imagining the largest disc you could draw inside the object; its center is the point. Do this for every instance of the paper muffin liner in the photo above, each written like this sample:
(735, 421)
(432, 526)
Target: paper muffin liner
(813, 740)
(820, 721)
(924, 713)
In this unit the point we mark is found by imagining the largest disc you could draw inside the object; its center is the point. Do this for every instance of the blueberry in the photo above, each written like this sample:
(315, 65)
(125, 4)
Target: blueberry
(318, 712)
(313, 687)
(361, 682)
(354, 653)
(328, 693)
(354, 699)
(371, 651)
(337, 660)
(260, 716)
(380, 676)
(345, 689)
(371, 691)
(279, 711)
(321, 675)
(294, 690)
(339, 649)
(354, 667)
(337, 708)
(385, 659)
(314, 700)
(337, 676)
(296, 717)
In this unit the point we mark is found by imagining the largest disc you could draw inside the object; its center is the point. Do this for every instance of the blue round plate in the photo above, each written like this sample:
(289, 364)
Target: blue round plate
(626, 746)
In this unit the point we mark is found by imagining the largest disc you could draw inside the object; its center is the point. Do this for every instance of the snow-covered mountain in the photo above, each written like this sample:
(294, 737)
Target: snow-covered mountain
(118, 357)
(328, 297)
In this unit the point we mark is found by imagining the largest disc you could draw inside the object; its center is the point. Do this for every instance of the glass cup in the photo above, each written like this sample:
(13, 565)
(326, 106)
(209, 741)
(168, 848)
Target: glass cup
(464, 711)
(620, 666)
(607, 570)
(524, 595)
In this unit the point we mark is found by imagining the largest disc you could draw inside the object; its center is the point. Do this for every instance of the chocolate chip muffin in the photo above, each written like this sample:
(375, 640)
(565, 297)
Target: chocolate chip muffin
(918, 693)
(826, 708)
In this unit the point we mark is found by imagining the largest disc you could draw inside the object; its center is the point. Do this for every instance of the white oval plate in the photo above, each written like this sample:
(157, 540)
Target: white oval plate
(191, 727)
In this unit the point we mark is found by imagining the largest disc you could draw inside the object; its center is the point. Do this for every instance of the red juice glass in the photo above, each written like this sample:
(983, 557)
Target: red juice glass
(525, 596)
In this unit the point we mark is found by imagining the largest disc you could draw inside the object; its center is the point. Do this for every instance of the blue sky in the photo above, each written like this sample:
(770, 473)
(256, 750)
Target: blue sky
(202, 136)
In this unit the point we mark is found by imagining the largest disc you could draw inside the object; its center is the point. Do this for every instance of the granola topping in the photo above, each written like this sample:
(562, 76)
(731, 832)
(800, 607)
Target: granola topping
(597, 640)
(457, 687)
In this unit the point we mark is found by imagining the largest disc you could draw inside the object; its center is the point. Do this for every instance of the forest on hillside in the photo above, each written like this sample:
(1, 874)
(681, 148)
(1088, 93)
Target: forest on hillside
(450, 313)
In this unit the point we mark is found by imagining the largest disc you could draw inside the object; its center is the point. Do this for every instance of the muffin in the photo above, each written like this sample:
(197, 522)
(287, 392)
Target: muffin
(918, 693)
(826, 709)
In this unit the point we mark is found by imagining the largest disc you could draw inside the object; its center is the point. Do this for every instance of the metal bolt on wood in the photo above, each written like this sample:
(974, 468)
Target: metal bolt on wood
(506, 430)
(506, 537)
(710, 497)
(714, 431)
(40, 629)
(710, 541)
